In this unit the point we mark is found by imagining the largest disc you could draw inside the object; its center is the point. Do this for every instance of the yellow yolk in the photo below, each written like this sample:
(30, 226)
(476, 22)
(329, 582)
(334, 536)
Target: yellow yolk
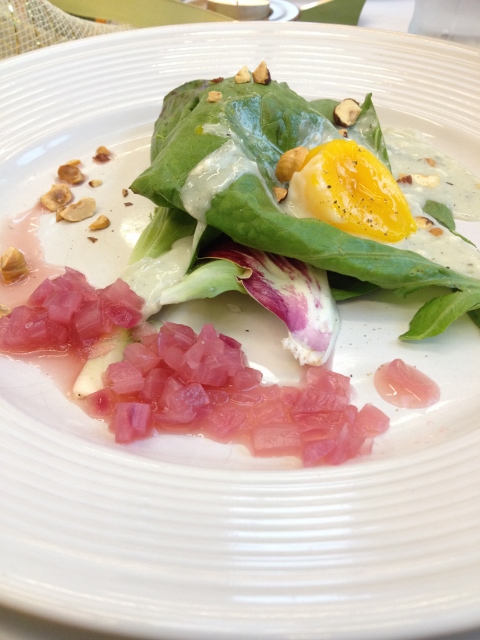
(345, 185)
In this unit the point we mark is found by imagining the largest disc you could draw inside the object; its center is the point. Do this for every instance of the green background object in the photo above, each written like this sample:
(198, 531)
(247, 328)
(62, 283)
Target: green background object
(149, 13)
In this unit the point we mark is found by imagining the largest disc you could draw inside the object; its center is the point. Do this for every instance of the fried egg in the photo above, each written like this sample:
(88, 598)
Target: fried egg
(344, 184)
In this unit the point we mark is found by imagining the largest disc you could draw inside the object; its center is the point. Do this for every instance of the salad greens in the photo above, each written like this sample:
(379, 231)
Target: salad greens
(235, 144)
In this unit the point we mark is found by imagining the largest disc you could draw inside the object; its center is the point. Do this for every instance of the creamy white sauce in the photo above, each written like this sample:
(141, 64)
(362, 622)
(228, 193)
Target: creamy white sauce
(215, 173)
(447, 250)
(150, 276)
(458, 188)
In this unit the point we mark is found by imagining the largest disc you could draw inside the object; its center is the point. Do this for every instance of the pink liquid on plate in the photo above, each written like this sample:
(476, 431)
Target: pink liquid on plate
(405, 386)
(21, 232)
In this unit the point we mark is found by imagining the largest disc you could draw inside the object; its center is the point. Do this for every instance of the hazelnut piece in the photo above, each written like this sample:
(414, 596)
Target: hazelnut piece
(78, 211)
(102, 222)
(4, 310)
(95, 183)
(13, 265)
(70, 174)
(290, 162)
(243, 76)
(280, 193)
(423, 222)
(261, 75)
(214, 96)
(58, 196)
(346, 112)
(426, 181)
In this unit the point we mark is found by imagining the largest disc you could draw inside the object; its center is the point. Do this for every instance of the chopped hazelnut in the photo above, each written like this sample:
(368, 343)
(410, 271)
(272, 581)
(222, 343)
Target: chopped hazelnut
(102, 222)
(346, 112)
(13, 265)
(70, 174)
(124, 193)
(92, 239)
(243, 76)
(102, 155)
(280, 193)
(404, 179)
(343, 132)
(216, 80)
(290, 162)
(426, 181)
(95, 183)
(435, 231)
(261, 75)
(431, 162)
(214, 96)
(58, 196)
(78, 211)
(423, 222)
(4, 310)
(75, 162)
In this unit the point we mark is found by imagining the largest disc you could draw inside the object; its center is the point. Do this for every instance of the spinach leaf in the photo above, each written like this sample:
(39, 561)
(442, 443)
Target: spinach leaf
(266, 120)
(367, 131)
(247, 214)
(437, 314)
(345, 287)
(325, 106)
(444, 215)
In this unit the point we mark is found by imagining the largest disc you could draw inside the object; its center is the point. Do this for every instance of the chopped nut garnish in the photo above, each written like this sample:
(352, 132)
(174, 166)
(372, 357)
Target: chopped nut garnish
(124, 193)
(75, 162)
(290, 162)
(4, 310)
(102, 222)
(95, 183)
(13, 265)
(280, 193)
(343, 132)
(346, 112)
(435, 231)
(423, 222)
(128, 204)
(426, 181)
(431, 162)
(243, 76)
(261, 75)
(84, 208)
(214, 96)
(404, 179)
(102, 155)
(70, 174)
(217, 80)
(58, 196)
(92, 239)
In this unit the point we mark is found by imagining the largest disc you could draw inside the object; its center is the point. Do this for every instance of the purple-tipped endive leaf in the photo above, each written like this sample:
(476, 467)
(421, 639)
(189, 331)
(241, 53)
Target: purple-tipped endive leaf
(295, 292)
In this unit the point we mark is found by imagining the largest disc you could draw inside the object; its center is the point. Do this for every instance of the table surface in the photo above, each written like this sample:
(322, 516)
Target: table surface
(392, 15)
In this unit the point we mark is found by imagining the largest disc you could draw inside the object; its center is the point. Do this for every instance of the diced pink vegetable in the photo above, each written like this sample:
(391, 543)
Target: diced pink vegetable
(131, 421)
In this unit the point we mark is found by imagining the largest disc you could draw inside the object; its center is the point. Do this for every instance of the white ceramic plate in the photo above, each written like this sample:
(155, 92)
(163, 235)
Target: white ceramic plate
(182, 538)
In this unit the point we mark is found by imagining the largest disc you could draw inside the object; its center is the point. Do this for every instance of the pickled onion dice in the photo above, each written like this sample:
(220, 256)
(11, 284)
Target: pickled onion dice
(246, 379)
(141, 357)
(131, 421)
(100, 404)
(154, 384)
(183, 404)
(371, 421)
(124, 378)
(276, 440)
(314, 452)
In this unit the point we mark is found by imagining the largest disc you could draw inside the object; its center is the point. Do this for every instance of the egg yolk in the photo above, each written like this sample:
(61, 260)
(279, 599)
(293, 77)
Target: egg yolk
(346, 186)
